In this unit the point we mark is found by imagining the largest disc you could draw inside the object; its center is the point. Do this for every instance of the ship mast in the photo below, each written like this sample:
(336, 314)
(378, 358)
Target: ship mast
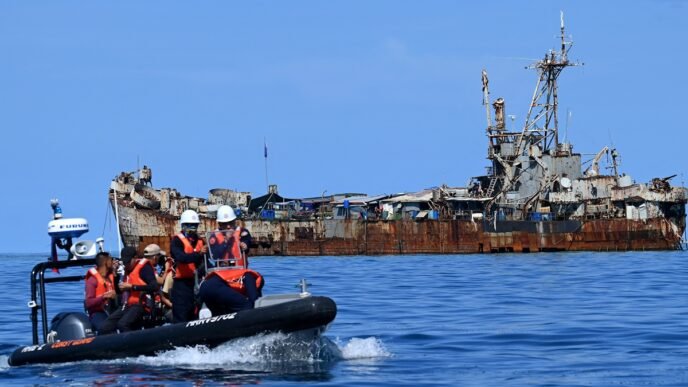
(541, 128)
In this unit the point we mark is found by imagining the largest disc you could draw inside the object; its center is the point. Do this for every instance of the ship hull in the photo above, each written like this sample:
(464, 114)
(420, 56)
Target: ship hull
(140, 227)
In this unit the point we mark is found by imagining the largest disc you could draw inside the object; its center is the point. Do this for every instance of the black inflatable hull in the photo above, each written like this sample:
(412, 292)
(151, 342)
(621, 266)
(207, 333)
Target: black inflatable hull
(311, 313)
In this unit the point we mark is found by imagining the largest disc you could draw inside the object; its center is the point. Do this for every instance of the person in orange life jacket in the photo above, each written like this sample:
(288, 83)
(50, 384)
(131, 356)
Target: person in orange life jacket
(223, 247)
(101, 297)
(140, 283)
(230, 289)
(187, 250)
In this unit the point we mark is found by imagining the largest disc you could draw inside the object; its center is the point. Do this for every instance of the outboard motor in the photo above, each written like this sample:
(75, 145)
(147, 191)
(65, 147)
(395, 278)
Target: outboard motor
(70, 326)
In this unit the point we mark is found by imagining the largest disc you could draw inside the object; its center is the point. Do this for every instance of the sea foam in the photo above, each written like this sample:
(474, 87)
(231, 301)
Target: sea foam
(266, 351)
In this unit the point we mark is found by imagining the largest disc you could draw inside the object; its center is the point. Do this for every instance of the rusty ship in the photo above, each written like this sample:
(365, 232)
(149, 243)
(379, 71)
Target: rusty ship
(535, 196)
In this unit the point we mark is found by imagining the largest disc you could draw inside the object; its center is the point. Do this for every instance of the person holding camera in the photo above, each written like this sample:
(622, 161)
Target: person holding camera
(164, 277)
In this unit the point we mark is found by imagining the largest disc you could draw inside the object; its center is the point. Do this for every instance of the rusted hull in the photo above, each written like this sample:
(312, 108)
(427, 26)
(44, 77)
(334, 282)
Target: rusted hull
(356, 237)
(593, 235)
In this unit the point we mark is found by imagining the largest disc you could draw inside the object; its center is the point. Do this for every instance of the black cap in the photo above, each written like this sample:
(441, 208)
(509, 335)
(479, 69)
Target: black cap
(127, 254)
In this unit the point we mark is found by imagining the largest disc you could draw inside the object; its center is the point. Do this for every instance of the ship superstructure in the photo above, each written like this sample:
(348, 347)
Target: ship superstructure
(534, 175)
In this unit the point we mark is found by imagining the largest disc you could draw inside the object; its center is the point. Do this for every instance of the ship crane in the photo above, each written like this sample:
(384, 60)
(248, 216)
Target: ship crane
(594, 168)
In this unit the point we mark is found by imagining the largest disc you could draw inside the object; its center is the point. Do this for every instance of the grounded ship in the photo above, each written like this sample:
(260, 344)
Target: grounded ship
(535, 196)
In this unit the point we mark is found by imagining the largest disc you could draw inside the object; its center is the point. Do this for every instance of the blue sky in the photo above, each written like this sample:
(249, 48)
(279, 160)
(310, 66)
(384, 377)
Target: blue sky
(362, 96)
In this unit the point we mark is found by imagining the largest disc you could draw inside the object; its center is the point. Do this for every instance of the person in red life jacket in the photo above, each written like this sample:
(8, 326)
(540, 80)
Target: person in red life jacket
(231, 286)
(101, 297)
(140, 285)
(187, 250)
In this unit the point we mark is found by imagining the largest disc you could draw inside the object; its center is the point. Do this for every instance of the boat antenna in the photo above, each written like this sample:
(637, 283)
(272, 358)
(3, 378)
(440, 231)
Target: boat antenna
(563, 41)
(566, 129)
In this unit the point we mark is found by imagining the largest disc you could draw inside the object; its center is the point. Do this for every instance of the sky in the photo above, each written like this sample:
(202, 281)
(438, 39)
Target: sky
(350, 96)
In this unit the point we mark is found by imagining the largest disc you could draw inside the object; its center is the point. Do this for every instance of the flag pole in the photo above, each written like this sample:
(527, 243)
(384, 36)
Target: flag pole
(265, 155)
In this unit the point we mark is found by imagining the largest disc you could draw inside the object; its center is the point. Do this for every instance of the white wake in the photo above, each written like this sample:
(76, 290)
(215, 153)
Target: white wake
(264, 352)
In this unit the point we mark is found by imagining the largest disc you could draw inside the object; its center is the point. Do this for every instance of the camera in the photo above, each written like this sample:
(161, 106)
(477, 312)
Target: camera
(119, 268)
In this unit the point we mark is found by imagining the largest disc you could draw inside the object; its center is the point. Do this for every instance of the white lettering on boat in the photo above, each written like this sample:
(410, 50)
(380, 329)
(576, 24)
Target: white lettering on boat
(211, 320)
(32, 348)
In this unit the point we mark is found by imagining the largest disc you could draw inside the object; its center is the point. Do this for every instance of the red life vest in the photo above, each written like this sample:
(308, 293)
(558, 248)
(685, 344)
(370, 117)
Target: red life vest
(186, 270)
(234, 278)
(135, 279)
(104, 284)
(235, 252)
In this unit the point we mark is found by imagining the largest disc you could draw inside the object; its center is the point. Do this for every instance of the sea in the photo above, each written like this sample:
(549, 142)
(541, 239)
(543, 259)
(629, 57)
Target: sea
(538, 319)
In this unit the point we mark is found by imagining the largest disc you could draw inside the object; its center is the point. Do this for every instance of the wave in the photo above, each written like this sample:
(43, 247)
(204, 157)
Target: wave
(4, 365)
(274, 348)
(368, 348)
(266, 352)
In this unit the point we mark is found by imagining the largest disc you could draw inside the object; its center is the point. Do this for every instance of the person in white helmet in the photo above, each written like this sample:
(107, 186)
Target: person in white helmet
(187, 250)
(232, 286)
(227, 225)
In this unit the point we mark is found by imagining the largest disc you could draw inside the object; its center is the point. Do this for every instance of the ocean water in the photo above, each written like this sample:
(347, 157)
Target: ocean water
(573, 319)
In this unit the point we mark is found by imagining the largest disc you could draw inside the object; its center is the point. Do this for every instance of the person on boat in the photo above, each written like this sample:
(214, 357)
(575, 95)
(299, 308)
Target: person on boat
(101, 297)
(165, 278)
(222, 246)
(166, 290)
(139, 286)
(231, 286)
(187, 250)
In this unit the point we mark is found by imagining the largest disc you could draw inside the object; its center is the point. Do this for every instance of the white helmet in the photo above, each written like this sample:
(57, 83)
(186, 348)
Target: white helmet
(225, 214)
(189, 216)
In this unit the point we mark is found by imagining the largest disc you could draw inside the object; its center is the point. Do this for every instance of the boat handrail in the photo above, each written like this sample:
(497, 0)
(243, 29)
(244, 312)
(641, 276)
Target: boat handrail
(38, 278)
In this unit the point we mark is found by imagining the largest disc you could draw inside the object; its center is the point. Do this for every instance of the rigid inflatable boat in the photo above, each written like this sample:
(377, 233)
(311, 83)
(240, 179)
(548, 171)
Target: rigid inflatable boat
(71, 338)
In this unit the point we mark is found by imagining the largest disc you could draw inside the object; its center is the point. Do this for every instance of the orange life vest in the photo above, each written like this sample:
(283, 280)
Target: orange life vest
(104, 284)
(235, 251)
(186, 270)
(234, 278)
(135, 279)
